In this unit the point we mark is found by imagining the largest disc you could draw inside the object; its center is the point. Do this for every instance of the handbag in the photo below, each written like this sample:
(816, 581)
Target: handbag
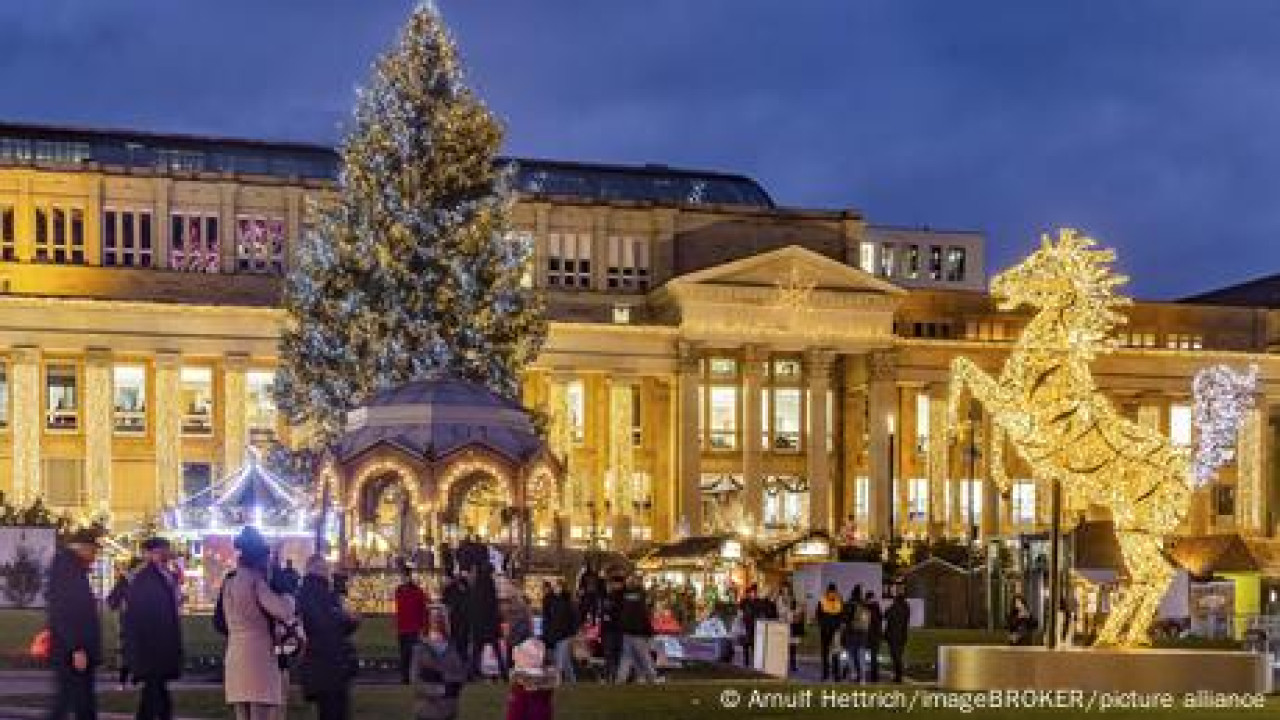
(489, 666)
(42, 645)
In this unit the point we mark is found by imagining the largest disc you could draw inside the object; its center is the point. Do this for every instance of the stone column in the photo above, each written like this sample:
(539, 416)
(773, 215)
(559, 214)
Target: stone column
(936, 460)
(28, 424)
(690, 447)
(621, 461)
(991, 506)
(167, 405)
(883, 398)
(752, 482)
(818, 460)
(161, 227)
(561, 443)
(99, 422)
(1253, 469)
(92, 223)
(24, 218)
(227, 231)
(235, 412)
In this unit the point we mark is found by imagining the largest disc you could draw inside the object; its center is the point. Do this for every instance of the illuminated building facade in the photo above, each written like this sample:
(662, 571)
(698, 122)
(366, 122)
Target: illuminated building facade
(715, 362)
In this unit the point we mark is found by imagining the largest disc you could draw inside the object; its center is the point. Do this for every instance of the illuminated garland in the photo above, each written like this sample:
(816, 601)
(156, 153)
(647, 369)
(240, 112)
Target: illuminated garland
(1222, 398)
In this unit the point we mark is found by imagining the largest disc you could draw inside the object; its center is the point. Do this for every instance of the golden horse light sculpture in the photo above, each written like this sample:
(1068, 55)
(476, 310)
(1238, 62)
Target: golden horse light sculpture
(1046, 404)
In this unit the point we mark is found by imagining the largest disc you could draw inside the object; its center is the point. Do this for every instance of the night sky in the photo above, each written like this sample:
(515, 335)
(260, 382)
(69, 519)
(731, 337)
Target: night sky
(1153, 125)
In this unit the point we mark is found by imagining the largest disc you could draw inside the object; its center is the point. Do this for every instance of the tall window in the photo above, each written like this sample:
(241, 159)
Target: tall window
(637, 417)
(922, 422)
(260, 245)
(576, 396)
(126, 238)
(867, 257)
(130, 403)
(955, 264)
(935, 262)
(193, 243)
(569, 260)
(887, 257)
(721, 403)
(911, 267)
(862, 498)
(1180, 424)
(628, 263)
(917, 499)
(786, 503)
(8, 234)
(782, 404)
(262, 406)
(196, 478)
(970, 502)
(197, 400)
(4, 395)
(62, 401)
(59, 235)
(1023, 502)
(64, 482)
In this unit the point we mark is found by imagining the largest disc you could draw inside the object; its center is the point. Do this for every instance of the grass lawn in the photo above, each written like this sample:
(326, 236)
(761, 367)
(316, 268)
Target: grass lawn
(673, 701)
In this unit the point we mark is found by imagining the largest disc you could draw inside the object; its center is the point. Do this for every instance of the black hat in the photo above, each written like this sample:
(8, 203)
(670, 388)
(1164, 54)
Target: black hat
(155, 543)
(250, 543)
(86, 536)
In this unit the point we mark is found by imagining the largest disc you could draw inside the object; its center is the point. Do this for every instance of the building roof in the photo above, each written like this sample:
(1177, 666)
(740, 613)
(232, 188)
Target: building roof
(251, 486)
(434, 418)
(1263, 292)
(176, 152)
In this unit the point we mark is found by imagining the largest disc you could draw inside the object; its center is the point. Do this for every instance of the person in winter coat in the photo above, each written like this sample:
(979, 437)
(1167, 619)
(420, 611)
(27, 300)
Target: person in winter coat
(897, 624)
(830, 616)
(448, 561)
(875, 634)
(610, 618)
(329, 663)
(753, 607)
(1021, 624)
(153, 630)
(411, 619)
(857, 628)
(75, 635)
(559, 628)
(485, 623)
(254, 683)
(636, 622)
(439, 674)
(791, 612)
(532, 695)
(457, 601)
(116, 601)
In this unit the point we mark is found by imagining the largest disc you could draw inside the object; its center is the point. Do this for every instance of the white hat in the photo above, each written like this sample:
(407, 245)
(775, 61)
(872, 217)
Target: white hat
(529, 655)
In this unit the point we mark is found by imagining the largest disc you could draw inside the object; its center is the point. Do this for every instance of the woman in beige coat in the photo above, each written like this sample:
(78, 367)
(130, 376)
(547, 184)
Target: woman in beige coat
(255, 685)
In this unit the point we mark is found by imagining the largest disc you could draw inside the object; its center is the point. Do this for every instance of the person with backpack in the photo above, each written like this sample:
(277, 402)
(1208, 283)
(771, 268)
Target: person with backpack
(857, 626)
(248, 613)
(830, 615)
(875, 634)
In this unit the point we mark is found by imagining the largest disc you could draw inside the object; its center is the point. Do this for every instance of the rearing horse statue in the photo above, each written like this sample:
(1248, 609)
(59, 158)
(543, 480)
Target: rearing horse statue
(1046, 405)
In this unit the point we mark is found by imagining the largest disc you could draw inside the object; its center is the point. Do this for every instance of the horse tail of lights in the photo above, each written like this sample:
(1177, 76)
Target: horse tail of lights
(1221, 397)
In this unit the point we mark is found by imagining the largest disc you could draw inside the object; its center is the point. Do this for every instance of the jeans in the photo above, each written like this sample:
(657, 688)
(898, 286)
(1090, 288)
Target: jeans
(407, 642)
(855, 644)
(155, 701)
(75, 694)
(895, 656)
(635, 654)
(564, 660)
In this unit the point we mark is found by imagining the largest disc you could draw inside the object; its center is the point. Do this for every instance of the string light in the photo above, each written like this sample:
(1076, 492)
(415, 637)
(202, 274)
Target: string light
(1046, 402)
(1222, 397)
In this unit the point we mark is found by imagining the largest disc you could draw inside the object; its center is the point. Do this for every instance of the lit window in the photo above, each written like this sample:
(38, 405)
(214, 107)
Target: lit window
(569, 260)
(8, 234)
(955, 264)
(59, 235)
(193, 243)
(260, 245)
(196, 479)
(787, 370)
(887, 257)
(1023, 502)
(922, 422)
(637, 418)
(622, 314)
(831, 420)
(4, 396)
(912, 270)
(918, 499)
(786, 418)
(262, 406)
(970, 502)
(130, 395)
(785, 506)
(126, 238)
(1180, 424)
(576, 397)
(197, 400)
(862, 498)
(628, 263)
(935, 262)
(867, 257)
(724, 368)
(723, 417)
(62, 398)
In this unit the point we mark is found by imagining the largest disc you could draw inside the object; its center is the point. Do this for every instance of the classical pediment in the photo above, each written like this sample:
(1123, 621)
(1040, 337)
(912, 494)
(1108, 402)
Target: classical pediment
(791, 297)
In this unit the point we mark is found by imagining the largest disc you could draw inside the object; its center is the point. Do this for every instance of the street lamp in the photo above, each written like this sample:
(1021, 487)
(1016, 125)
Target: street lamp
(893, 483)
(975, 416)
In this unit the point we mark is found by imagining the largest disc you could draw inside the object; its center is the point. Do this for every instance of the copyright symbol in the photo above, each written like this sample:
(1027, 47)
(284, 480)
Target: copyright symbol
(730, 698)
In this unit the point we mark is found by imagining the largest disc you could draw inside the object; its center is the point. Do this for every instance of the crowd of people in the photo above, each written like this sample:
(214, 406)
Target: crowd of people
(852, 631)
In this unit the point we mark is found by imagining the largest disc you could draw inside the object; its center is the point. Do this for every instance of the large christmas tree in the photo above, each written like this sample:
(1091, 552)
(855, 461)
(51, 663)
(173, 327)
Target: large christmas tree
(411, 273)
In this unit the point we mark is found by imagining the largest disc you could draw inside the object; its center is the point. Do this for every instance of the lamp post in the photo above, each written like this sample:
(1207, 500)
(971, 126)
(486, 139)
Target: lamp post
(975, 416)
(893, 483)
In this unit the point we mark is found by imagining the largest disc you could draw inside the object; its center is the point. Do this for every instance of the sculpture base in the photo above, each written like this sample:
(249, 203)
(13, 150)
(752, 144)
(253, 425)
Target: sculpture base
(986, 667)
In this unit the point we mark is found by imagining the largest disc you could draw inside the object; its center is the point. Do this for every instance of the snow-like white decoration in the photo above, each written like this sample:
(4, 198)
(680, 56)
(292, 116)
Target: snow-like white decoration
(1222, 397)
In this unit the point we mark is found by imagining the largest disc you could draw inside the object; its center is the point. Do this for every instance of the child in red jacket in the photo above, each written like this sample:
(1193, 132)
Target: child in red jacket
(533, 684)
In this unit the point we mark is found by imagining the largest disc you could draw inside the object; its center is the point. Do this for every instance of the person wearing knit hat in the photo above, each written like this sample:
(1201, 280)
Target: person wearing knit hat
(330, 662)
(533, 684)
(75, 632)
(438, 671)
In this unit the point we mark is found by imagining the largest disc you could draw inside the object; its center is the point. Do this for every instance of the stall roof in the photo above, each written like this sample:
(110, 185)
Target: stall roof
(1206, 554)
(787, 545)
(251, 486)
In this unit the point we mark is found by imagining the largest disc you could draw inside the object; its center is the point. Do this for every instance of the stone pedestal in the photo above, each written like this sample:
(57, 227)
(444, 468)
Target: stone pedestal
(986, 667)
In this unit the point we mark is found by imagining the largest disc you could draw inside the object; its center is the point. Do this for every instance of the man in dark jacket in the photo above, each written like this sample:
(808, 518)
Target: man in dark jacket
(559, 627)
(875, 633)
(75, 635)
(485, 624)
(637, 633)
(154, 631)
(329, 663)
(897, 623)
(456, 599)
(610, 619)
(751, 608)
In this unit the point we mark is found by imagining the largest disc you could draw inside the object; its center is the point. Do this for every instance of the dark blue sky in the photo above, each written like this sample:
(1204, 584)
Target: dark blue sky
(1153, 125)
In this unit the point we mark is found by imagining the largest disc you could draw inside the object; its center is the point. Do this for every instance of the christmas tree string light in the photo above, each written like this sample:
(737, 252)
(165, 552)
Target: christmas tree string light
(1047, 405)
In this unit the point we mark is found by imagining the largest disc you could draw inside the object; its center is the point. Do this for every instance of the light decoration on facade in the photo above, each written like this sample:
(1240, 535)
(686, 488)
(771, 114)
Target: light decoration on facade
(621, 454)
(1046, 402)
(468, 466)
(408, 478)
(97, 428)
(168, 405)
(1222, 399)
(27, 426)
